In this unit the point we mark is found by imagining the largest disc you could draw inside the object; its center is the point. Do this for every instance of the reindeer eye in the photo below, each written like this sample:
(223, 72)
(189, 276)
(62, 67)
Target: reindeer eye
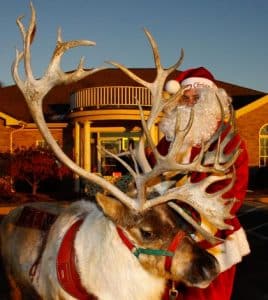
(147, 234)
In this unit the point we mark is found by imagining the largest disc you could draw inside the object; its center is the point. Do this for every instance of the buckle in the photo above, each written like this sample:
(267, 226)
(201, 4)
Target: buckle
(173, 293)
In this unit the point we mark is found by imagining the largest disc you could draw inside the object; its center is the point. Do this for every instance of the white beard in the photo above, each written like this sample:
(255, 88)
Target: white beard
(206, 115)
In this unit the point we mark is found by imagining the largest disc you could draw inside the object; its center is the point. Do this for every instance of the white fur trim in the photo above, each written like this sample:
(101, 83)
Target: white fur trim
(232, 250)
(172, 86)
(197, 82)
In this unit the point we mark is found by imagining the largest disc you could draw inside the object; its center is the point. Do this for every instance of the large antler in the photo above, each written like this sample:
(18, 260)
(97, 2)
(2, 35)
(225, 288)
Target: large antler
(34, 91)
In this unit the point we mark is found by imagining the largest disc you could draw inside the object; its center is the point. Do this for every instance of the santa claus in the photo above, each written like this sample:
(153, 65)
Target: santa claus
(202, 96)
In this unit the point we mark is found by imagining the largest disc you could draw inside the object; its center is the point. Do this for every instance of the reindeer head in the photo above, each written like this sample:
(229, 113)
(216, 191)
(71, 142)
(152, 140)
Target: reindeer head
(145, 215)
(162, 242)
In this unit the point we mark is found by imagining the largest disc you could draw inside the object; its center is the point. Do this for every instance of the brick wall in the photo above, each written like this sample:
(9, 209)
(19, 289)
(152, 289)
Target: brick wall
(5, 138)
(28, 138)
(249, 126)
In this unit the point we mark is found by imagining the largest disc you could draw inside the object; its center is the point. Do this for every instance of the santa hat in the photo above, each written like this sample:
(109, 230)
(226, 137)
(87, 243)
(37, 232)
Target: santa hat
(194, 78)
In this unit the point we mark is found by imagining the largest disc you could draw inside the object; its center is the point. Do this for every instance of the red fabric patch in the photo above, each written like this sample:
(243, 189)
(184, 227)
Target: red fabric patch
(66, 269)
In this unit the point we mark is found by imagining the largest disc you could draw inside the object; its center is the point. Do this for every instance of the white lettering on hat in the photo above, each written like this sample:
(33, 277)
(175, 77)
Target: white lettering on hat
(198, 82)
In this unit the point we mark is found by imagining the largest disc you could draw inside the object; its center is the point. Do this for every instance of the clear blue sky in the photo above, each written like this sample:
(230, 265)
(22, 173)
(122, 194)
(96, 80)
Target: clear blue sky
(229, 37)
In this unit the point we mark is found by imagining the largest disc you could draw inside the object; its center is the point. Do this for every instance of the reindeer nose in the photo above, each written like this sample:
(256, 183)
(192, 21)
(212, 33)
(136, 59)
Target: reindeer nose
(204, 268)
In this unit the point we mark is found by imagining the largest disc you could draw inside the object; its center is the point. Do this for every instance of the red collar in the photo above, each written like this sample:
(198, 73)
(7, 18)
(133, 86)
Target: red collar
(68, 276)
(66, 269)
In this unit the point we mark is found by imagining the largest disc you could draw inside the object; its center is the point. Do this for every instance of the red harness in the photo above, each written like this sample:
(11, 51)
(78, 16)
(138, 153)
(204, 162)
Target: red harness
(66, 268)
(175, 243)
(67, 274)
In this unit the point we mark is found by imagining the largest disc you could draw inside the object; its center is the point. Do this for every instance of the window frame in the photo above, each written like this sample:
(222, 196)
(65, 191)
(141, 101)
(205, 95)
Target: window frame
(263, 146)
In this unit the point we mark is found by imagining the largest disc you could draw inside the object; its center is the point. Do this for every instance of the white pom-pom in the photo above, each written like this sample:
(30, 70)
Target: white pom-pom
(172, 86)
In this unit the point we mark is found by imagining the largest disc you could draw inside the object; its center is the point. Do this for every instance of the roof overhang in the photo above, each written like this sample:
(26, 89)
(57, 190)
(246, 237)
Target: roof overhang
(10, 121)
(252, 106)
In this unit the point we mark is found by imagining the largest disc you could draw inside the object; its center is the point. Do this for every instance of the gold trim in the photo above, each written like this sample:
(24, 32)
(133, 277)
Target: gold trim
(109, 114)
(49, 125)
(10, 120)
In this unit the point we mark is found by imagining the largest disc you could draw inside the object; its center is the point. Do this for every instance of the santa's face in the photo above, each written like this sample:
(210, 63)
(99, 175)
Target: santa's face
(204, 102)
(189, 97)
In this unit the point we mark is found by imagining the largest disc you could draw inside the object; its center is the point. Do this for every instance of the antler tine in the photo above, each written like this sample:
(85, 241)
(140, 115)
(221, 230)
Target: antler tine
(27, 37)
(129, 73)
(180, 134)
(207, 235)
(217, 157)
(142, 159)
(157, 55)
(121, 161)
(155, 50)
(54, 65)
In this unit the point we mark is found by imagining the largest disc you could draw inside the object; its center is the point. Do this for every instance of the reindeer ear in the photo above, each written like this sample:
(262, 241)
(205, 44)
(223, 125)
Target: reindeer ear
(112, 208)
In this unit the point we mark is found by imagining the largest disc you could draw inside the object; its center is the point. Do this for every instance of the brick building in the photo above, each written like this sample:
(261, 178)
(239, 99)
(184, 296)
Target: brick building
(101, 110)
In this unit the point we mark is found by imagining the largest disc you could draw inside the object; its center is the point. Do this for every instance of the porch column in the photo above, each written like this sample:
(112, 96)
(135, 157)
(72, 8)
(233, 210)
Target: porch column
(77, 142)
(87, 146)
(98, 152)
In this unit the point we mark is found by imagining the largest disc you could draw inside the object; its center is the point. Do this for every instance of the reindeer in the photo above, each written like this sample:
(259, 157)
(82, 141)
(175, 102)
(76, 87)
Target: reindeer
(124, 245)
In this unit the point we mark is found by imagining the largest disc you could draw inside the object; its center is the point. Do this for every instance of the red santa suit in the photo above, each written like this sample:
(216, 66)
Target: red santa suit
(235, 245)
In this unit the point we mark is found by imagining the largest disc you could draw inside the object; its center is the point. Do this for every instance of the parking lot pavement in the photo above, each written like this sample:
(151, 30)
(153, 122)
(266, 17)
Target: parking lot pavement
(252, 273)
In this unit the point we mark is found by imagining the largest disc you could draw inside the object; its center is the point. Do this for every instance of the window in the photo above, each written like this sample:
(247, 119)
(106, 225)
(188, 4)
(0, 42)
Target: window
(109, 164)
(42, 144)
(263, 149)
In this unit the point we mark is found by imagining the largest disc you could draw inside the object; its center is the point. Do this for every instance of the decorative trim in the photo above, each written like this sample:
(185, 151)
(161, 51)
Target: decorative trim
(198, 82)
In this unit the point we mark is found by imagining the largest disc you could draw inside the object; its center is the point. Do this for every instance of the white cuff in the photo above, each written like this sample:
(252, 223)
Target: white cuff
(231, 251)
